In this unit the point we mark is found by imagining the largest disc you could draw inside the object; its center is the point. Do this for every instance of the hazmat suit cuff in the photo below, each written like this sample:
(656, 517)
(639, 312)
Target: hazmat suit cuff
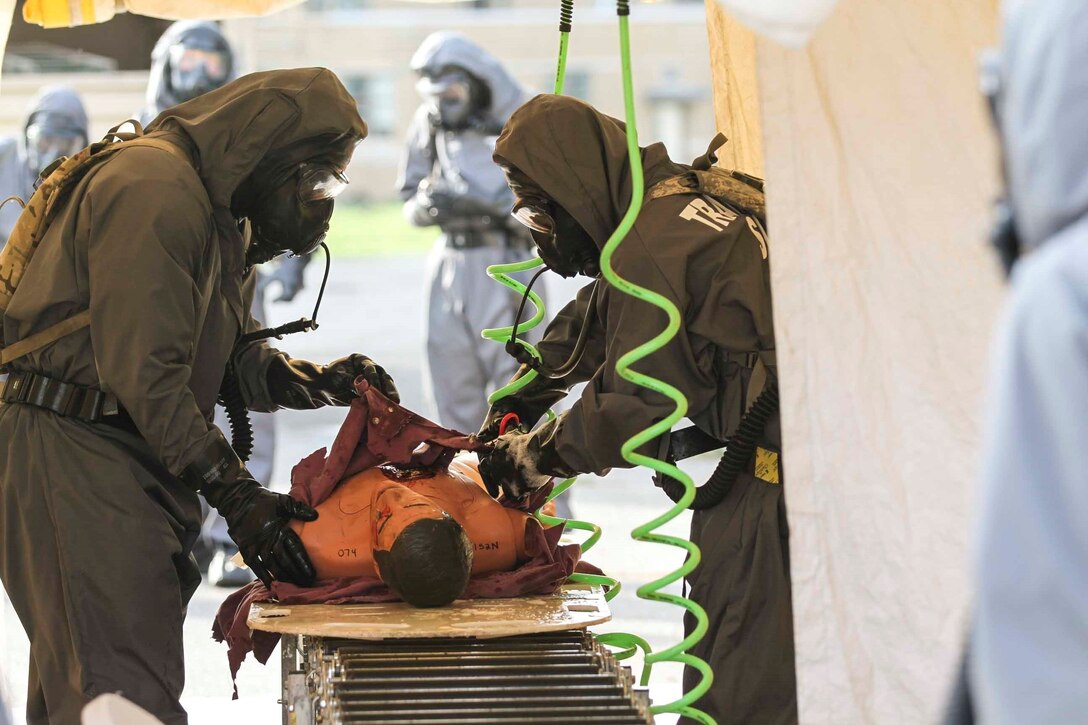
(544, 447)
(251, 367)
(581, 451)
(193, 452)
(211, 463)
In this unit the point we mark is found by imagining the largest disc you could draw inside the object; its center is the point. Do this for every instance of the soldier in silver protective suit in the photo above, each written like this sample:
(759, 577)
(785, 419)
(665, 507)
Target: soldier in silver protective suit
(55, 126)
(449, 180)
(1028, 659)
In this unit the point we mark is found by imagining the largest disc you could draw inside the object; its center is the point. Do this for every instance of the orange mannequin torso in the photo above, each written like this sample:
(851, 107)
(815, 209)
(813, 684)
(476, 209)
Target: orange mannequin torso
(341, 541)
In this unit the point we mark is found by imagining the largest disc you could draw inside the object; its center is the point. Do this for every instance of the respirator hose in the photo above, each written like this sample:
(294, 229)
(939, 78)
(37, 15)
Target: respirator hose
(501, 273)
(230, 391)
(526, 356)
(241, 429)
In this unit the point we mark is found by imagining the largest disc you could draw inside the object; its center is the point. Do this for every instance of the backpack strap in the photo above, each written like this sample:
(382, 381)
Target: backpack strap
(82, 319)
(708, 159)
(17, 199)
(735, 189)
(46, 337)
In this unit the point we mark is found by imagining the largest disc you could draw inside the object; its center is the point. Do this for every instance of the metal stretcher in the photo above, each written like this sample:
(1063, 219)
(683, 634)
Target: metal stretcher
(476, 662)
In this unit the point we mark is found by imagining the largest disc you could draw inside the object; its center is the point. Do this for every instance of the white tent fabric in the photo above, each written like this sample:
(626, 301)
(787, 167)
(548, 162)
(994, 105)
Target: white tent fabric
(736, 91)
(789, 22)
(880, 163)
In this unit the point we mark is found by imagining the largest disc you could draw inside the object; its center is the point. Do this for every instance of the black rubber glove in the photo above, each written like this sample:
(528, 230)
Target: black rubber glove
(430, 205)
(256, 517)
(530, 404)
(289, 273)
(302, 385)
(520, 463)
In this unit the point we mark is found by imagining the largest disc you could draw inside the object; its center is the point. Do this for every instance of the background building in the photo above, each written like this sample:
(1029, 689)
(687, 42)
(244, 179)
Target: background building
(368, 43)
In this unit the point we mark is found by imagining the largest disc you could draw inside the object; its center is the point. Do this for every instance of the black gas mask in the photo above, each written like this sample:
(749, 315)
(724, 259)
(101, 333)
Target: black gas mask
(566, 248)
(198, 63)
(292, 215)
(453, 95)
(50, 136)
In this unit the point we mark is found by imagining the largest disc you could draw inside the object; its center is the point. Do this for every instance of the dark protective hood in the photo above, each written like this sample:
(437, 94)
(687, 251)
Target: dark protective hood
(1043, 111)
(56, 99)
(578, 157)
(159, 94)
(446, 49)
(263, 116)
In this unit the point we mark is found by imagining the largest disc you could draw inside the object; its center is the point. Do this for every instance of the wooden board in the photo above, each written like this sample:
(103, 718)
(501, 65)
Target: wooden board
(574, 606)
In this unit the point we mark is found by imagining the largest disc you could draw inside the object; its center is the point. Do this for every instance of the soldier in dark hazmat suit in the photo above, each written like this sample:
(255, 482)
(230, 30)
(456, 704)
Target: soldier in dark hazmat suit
(193, 57)
(99, 504)
(449, 180)
(55, 126)
(568, 166)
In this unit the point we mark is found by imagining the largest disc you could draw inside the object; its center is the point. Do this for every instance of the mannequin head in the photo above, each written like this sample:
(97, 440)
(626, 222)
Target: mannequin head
(429, 563)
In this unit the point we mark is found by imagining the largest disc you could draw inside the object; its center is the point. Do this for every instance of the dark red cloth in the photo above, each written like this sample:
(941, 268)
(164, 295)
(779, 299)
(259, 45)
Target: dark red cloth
(378, 431)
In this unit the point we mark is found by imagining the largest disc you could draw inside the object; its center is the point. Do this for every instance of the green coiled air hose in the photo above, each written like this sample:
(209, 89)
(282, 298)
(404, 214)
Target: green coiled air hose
(652, 591)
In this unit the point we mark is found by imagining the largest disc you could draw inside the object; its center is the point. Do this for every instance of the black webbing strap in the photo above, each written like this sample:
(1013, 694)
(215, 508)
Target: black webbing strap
(691, 441)
(67, 399)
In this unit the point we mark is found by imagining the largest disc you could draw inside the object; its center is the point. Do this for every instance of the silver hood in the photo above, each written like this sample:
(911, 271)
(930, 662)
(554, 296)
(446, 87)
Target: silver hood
(447, 48)
(1042, 108)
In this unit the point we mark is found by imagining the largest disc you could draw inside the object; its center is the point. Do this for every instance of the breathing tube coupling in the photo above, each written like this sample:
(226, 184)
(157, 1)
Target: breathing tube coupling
(300, 325)
(230, 390)
(737, 454)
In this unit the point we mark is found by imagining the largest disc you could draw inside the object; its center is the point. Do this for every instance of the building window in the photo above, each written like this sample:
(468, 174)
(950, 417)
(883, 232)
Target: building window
(575, 84)
(375, 95)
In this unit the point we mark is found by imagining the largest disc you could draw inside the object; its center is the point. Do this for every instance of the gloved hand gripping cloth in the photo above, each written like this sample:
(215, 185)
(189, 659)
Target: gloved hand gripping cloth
(378, 431)
(529, 403)
(257, 518)
(522, 463)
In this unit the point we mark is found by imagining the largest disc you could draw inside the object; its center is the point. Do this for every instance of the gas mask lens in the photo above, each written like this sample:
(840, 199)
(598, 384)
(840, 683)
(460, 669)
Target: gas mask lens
(317, 183)
(196, 71)
(541, 227)
(453, 93)
(293, 217)
(47, 142)
(450, 96)
(210, 63)
(536, 218)
(454, 99)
